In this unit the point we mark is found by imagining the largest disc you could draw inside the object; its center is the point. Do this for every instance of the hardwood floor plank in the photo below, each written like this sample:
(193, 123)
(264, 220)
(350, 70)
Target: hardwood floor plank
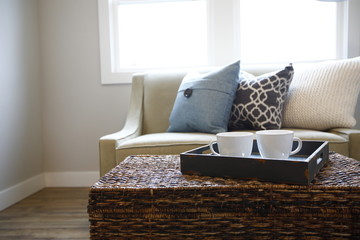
(52, 213)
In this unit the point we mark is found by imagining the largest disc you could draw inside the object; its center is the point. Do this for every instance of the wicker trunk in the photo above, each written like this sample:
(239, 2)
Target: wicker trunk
(147, 197)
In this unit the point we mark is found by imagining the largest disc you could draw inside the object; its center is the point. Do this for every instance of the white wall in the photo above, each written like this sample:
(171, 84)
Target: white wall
(21, 162)
(354, 41)
(77, 109)
(53, 107)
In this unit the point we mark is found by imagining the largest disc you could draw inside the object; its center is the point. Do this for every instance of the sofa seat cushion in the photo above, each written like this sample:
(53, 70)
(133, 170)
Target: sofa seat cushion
(162, 143)
(178, 142)
(168, 139)
(314, 135)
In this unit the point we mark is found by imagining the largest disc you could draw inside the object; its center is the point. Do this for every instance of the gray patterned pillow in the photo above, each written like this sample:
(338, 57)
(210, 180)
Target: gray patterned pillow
(259, 100)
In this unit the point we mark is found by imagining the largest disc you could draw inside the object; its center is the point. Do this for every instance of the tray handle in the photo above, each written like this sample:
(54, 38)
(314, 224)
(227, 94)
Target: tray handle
(319, 158)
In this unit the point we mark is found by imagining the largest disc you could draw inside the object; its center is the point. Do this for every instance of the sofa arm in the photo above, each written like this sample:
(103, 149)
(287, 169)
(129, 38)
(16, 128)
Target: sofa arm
(353, 135)
(108, 145)
(132, 128)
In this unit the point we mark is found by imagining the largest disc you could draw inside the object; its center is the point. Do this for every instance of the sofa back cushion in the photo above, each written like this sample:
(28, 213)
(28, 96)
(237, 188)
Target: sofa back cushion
(160, 90)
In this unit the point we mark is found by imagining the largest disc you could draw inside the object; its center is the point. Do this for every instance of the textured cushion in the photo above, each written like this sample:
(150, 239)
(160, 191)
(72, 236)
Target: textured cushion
(259, 100)
(324, 96)
(203, 102)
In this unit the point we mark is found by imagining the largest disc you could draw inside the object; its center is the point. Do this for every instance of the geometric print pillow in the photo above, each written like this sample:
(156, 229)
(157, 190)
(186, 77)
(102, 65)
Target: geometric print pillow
(259, 101)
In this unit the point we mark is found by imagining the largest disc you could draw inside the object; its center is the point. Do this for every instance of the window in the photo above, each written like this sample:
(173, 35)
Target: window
(161, 34)
(136, 35)
(296, 31)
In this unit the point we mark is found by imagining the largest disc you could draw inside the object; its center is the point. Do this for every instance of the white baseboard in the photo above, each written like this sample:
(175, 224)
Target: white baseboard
(21, 190)
(71, 179)
(30, 186)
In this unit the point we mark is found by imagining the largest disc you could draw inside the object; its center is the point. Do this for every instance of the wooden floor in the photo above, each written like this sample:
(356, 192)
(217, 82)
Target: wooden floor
(52, 213)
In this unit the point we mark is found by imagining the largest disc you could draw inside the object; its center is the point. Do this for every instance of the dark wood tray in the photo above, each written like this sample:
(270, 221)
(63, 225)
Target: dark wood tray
(298, 169)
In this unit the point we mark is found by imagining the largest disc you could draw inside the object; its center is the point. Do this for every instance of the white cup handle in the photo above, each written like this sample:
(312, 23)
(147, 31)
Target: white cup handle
(212, 148)
(299, 145)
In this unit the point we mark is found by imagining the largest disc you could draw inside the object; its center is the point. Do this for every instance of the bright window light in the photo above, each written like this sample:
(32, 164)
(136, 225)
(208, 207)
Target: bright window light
(138, 35)
(283, 30)
(162, 34)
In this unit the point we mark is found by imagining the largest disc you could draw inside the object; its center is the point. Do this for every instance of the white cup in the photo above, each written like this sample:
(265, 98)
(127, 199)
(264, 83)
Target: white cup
(235, 144)
(277, 143)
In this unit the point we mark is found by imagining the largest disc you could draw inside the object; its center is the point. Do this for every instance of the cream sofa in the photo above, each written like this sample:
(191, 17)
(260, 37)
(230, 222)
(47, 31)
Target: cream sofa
(152, 98)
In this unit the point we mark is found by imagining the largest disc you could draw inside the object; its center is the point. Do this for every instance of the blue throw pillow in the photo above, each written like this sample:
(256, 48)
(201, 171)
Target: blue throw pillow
(203, 102)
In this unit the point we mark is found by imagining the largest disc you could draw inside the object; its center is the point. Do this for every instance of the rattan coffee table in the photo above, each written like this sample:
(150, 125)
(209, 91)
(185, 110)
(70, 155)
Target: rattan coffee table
(147, 197)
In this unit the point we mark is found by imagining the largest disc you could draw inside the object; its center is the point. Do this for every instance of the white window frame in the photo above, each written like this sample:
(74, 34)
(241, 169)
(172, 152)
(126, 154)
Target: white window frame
(109, 51)
(107, 56)
(223, 13)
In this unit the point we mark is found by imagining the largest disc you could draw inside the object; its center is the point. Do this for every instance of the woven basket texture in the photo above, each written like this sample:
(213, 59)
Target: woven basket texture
(147, 197)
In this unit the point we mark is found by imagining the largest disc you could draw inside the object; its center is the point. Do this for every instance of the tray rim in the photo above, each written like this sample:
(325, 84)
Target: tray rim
(310, 166)
(207, 147)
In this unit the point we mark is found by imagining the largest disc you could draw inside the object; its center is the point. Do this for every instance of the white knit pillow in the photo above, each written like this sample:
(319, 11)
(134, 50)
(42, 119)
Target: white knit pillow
(324, 96)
